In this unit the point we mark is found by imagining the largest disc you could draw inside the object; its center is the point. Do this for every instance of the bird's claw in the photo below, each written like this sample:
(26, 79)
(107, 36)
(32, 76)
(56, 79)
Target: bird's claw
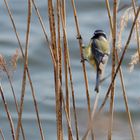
(82, 60)
(83, 46)
(79, 37)
(97, 89)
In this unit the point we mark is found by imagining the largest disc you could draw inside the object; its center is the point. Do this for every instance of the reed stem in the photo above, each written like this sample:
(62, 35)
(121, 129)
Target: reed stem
(81, 53)
(91, 124)
(121, 78)
(126, 101)
(70, 71)
(2, 136)
(24, 71)
(83, 63)
(15, 100)
(8, 113)
(52, 56)
(120, 62)
(65, 44)
(59, 50)
(56, 70)
(111, 111)
(137, 30)
(28, 72)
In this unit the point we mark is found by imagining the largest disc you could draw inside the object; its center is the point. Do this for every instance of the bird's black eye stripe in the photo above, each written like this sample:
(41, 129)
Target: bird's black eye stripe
(97, 35)
(99, 31)
(102, 34)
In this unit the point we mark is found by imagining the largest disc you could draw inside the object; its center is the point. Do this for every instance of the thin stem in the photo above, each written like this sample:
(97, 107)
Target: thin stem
(59, 40)
(65, 44)
(59, 66)
(2, 135)
(28, 72)
(15, 100)
(67, 117)
(121, 76)
(81, 53)
(73, 100)
(121, 59)
(90, 124)
(137, 30)
(70, 73)
(109, 15)
(44, 31)
(52, 56)
(126, 101)
(113, 71)
(83, 63)
(8, 113)
(56, 70)
(24, 71)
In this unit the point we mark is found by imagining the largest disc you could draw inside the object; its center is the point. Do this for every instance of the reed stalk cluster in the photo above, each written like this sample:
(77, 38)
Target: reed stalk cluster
(60, 57)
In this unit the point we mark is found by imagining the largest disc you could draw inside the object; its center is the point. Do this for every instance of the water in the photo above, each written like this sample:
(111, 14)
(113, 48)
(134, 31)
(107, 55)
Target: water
(92, 15)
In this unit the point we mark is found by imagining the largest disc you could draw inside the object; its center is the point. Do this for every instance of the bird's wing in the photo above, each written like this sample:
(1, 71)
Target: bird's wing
(97, 53)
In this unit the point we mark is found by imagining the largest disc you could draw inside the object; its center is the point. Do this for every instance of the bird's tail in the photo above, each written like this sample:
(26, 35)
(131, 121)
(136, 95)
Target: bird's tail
(98, 78)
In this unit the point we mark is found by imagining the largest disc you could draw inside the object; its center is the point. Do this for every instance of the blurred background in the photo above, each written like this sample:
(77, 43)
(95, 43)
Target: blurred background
(92, 15)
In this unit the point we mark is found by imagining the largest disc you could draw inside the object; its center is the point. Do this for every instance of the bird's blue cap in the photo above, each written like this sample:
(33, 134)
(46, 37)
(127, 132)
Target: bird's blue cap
(98, 33)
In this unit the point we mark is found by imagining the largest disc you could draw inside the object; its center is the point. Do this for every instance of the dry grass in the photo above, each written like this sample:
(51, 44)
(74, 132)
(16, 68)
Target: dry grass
(134, 61)
(127, 16)
(59, 52)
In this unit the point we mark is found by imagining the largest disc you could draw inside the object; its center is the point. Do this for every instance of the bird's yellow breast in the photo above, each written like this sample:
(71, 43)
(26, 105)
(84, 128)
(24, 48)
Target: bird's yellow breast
(88, 55)
(103, 45)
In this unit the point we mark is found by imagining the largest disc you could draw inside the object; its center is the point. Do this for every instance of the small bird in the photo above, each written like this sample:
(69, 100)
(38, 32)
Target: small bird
(97, 53)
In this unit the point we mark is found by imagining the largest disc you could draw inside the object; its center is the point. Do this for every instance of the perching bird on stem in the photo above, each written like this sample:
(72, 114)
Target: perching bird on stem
(97, 53)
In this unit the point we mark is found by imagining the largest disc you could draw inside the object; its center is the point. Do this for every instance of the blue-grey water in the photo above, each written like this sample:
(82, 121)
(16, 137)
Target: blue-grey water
(92, 15)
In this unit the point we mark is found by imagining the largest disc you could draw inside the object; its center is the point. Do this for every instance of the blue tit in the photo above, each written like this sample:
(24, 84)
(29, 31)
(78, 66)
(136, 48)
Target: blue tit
(97, 53)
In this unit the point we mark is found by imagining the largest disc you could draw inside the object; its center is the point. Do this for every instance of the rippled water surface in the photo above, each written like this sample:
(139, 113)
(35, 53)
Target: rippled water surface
(92, 15)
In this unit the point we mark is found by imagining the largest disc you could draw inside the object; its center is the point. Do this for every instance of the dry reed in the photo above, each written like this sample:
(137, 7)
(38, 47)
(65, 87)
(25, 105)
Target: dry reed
(55, 47)
(8, 113)
(53, 61)
(121, 59)
(91, 122)
(63, 16)
(127, 15)
(83, 63)
(2, 136)
(121, 77)
(56, 69)
(134, 61)
(80, 47)
(24, 71)
(126, 101)
(65, 53)
(137, 30)
(28, 72)
(111, 111)
(3, 66)
(59, 64)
